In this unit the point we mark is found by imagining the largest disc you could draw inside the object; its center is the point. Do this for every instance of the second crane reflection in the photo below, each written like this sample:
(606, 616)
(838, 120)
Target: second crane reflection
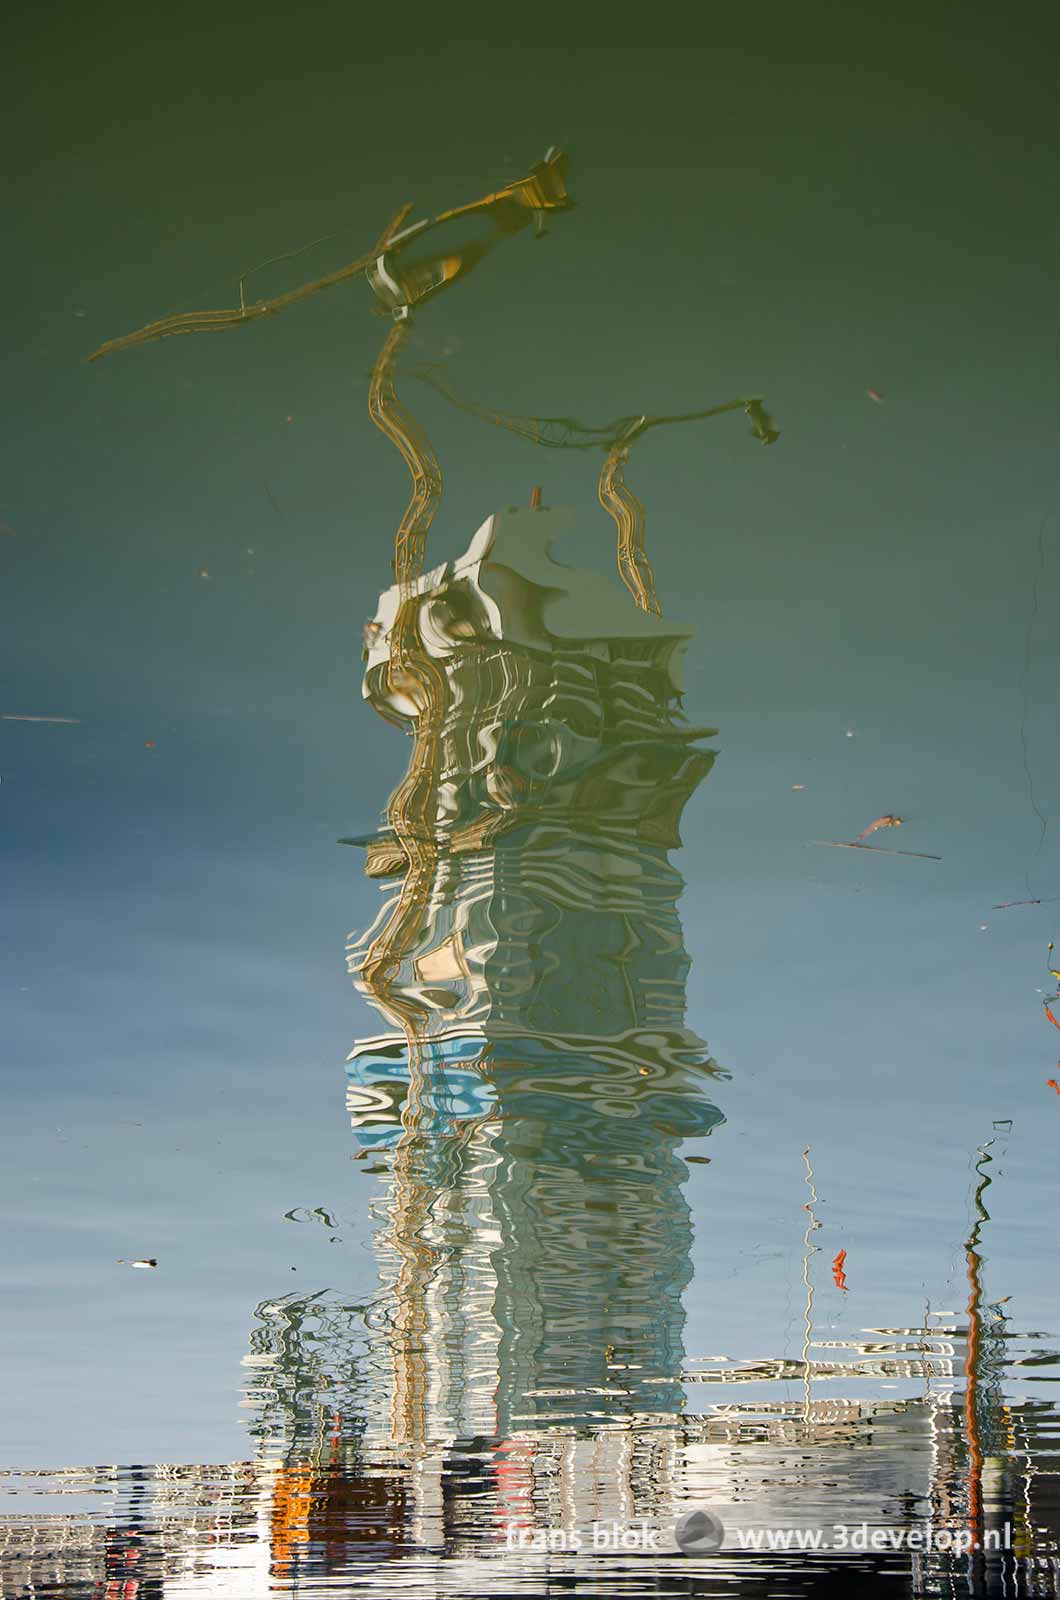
(538, 1076)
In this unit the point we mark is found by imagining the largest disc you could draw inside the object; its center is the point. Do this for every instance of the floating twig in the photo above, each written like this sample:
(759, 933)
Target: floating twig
(873, 849)
(886, 821)
(12, 716)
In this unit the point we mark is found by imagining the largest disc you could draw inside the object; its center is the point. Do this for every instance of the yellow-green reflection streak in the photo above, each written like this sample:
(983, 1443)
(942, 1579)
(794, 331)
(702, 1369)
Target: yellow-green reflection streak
(618, 499)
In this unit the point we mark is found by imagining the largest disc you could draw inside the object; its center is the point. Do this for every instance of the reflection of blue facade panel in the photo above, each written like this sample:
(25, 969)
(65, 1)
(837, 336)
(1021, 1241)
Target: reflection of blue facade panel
(378, 1083)
(467, 1077)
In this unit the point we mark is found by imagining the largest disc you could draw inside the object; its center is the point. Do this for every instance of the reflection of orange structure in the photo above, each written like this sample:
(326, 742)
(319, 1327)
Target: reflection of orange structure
(331, 1508)
(839, 1276)
(973, 1357)
(292, 1502)
(1053, 973)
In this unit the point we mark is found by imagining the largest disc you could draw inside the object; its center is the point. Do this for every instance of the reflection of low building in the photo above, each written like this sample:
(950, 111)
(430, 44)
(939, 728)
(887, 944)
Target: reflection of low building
(340, 1515)
(140, 1533)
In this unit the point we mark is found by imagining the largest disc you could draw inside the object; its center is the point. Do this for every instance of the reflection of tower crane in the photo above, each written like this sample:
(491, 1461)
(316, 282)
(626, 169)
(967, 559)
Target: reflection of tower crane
(616, 438)
(402, 276)
(405, 266)
(506, 211)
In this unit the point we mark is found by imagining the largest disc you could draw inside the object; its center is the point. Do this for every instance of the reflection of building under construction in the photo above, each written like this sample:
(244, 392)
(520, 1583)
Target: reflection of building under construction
(543, 1076)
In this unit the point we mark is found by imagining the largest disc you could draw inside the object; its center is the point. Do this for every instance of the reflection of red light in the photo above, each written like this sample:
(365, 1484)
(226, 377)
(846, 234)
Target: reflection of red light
(513, 1467)
(1052, 1019)
(1051, 1083)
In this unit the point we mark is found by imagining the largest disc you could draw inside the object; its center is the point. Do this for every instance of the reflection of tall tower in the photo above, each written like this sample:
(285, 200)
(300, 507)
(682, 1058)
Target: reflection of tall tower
(544, 1076)
(559, 771)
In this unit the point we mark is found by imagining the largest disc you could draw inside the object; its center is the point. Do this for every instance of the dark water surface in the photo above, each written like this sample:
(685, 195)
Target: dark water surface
(684, 1158)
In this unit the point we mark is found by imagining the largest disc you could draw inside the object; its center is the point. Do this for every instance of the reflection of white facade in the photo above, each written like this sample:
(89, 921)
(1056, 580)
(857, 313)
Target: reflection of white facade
(535, 1228)
(560, 765)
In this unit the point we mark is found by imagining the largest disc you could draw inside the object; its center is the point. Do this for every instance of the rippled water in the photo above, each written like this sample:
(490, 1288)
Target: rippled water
(515, 1405)
(695, 1149)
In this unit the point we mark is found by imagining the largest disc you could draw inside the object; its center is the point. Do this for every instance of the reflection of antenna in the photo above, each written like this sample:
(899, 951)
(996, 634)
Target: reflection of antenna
(808, 1250)
(973, 1358)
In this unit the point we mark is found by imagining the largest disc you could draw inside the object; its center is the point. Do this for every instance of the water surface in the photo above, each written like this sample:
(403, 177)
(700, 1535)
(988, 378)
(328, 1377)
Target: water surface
(650, 1056)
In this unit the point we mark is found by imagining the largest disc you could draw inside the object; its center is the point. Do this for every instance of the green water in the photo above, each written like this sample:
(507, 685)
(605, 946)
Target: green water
(577, 1283)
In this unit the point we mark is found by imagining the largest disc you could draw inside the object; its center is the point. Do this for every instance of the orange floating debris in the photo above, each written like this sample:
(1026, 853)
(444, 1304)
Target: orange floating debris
(886, 821)
(838, 1275)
